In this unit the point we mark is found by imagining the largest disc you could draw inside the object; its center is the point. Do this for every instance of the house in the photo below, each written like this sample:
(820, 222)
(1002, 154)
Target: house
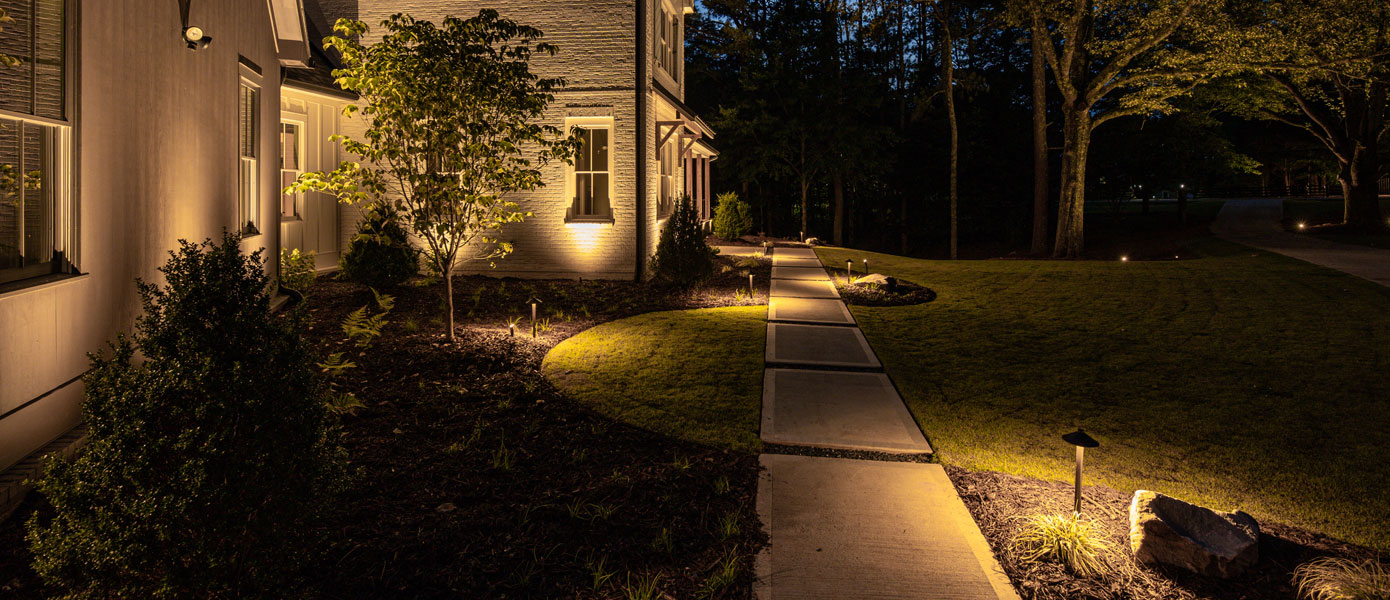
(623, 64)
(135, 124)
(129, 125)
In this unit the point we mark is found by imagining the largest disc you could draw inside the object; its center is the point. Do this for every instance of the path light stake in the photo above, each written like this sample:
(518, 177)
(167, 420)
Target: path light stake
(512, 326)
(866, 267)
(533, 302)
(1082, 441)
(849, 270)
(750, 287)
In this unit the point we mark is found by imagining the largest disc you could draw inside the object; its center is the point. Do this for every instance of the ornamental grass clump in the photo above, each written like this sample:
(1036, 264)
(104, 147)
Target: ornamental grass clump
(1330, 578)
(211, 449)
(1067, 540)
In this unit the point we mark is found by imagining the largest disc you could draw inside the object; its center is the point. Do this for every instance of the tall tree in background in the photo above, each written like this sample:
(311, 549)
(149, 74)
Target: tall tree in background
(948, 83)
(452, 125)
(1040, 188)
(1113, 59)
(1325, 69)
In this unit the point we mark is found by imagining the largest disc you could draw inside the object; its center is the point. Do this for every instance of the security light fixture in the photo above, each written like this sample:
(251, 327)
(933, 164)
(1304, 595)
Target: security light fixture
(533, 301)
(195, 38)
(1082, 441)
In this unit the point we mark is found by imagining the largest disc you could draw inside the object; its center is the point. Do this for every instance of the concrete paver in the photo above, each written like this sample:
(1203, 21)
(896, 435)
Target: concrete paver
(818, 345)
(853, 529)
(825, 311)
(779, 260)
(803, 288)
(837, 409)
(740, 250)
(794, 252)
(1256, 222)
(813, 273)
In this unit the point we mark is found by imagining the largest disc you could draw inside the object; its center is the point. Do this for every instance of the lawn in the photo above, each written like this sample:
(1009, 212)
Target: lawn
(690, 374)
(1237, 378)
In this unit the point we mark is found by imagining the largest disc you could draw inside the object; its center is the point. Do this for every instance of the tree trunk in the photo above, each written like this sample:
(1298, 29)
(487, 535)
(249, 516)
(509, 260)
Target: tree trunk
(1040, 190)
(948, 85)
(449, 295)
(902, 226)
(838, 184)
(1360, 178)
(805, 190)
(1070, 210)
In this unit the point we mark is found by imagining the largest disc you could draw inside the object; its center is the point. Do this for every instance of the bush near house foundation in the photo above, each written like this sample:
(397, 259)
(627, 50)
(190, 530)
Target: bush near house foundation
(380, 255)
(682, 256)
(297, 270)
(733, 218)
(208, 462)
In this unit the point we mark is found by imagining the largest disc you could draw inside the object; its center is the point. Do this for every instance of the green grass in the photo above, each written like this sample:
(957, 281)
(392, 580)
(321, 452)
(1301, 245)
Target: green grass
(689, 374)
(1241, 379)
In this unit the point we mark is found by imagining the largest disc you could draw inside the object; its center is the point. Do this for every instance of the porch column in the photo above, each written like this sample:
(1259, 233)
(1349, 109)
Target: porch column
(704, 186)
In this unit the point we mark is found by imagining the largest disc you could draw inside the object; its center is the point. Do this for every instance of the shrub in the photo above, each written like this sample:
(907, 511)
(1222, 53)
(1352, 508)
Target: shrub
(682, 256)
(1065, 539)
(380, 255)
(297, 269)
(208, 459)
(1330, 578)
(733, 218)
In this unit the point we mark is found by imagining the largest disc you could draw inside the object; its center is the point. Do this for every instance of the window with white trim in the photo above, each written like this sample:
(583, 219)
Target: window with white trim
(291, 165)
(37, 224)
(248, 159)
(667, 175)
(592, 178)
(669, 41)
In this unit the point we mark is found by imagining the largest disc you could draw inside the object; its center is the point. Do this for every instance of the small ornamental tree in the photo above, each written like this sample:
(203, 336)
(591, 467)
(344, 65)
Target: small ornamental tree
(682, 256)
(451, 117)
(211, 451)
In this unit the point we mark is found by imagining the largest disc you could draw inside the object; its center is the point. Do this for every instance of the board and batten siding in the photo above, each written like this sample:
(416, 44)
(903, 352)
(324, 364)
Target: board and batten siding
(316, 229)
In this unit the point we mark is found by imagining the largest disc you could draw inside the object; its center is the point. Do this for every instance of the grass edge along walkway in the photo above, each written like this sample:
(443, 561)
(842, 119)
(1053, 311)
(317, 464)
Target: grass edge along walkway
(653, 371)
(1240, 379)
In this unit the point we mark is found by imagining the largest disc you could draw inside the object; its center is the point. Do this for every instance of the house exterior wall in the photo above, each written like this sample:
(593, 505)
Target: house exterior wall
(597, 56)
(155, 147)
(316, 228)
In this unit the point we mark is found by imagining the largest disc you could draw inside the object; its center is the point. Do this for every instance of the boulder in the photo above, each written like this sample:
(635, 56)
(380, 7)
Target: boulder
(872, 279)
(1168, 531)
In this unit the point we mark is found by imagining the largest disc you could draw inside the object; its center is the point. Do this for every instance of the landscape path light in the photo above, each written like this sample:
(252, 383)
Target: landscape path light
(849, 270)
(533, 302)
(751, 294)
(866, 267)
(1082, 441)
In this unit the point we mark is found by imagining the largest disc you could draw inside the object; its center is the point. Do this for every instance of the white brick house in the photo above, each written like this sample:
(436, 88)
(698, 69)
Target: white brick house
(622, 61)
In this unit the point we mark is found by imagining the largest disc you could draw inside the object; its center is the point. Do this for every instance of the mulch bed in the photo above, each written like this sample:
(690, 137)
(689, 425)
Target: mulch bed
(475, 478)
(999, 502)
(905, 293)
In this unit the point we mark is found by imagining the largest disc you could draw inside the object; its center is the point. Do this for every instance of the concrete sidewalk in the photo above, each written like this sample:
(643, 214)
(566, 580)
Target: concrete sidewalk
(1256, 222)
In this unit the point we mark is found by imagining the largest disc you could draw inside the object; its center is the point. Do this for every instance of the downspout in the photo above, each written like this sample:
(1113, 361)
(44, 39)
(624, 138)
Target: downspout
(640, 272)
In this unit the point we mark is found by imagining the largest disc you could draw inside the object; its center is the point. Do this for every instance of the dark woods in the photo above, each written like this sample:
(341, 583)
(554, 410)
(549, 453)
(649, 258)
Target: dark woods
(833, 120)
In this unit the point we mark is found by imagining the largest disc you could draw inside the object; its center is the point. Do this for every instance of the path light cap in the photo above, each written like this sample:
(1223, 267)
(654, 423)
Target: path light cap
(1079, 438)
(534, 300)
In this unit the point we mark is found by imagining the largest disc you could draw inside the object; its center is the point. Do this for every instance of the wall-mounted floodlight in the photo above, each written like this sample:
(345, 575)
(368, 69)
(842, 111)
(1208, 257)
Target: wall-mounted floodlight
(195, 38)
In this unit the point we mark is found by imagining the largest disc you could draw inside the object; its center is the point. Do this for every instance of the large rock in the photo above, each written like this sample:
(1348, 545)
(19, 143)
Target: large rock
(876, 279)
(1165, 530)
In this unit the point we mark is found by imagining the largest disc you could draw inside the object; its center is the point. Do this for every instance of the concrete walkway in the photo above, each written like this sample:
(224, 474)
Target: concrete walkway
(847, 528)
(1256, 222)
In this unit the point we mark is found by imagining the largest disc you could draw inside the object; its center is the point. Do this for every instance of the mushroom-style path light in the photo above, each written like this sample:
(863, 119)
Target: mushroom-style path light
(1082, 441)
(533, 302)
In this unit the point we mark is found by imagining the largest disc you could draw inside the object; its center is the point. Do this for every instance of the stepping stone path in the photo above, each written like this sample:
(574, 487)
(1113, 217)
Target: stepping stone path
(850, 528)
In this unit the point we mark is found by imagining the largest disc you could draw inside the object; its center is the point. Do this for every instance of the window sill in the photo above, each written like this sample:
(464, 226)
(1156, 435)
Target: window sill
(34, 284)
(589, 220)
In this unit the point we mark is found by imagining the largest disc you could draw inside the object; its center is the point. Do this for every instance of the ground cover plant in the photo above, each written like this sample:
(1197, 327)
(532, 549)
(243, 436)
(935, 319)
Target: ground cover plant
(472, 476)
(1196, 375)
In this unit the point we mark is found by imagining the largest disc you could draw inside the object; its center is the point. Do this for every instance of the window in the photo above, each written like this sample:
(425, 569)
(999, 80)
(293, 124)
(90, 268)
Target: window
(668, 46)
(291, 165)
(666, 170)
(37, 236)
(592, 175)
(248, 125)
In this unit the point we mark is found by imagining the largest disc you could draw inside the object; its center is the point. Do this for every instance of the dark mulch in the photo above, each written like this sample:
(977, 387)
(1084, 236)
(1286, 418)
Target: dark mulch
(999, 502)
(904, 293)
(475, 478)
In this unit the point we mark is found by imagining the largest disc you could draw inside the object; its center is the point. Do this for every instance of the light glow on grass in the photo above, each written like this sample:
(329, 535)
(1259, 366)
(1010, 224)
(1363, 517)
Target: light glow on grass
(688, 374)
(1218, 379)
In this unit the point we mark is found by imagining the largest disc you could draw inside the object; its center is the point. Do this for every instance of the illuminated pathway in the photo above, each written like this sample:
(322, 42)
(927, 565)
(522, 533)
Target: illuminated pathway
(850, 528)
